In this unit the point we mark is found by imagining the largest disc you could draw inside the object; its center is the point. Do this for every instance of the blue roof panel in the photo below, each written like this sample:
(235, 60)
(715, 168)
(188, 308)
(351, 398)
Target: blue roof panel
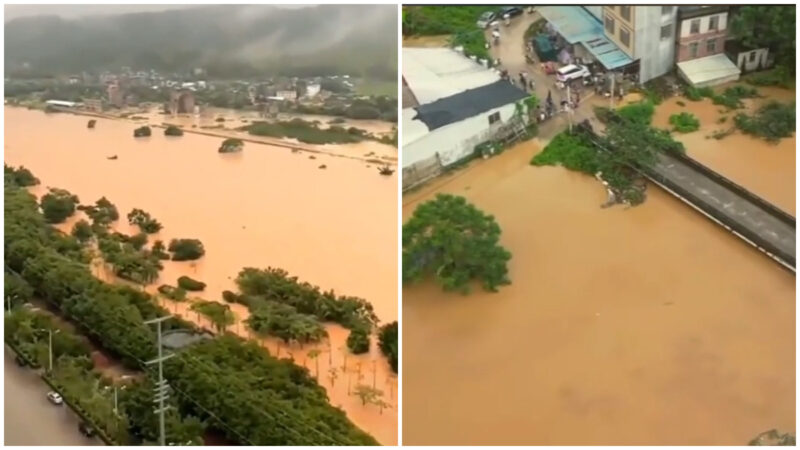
(577, 25)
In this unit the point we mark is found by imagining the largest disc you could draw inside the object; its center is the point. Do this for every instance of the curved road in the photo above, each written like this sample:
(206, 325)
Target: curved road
(30, 419)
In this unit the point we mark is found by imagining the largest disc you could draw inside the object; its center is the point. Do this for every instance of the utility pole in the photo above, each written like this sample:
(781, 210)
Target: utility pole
(569, 105)
(613, 80)
(162, 388)
(8, 302)
(115, 400)
(50, 348)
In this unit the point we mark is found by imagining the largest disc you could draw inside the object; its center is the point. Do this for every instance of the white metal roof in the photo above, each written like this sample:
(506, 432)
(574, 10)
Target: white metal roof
(703, 71)
(434, 73)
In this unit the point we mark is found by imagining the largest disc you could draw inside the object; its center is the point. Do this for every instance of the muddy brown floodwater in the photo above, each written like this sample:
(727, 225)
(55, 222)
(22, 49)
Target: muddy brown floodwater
(266, 206)
(650, 325)
(766, 169)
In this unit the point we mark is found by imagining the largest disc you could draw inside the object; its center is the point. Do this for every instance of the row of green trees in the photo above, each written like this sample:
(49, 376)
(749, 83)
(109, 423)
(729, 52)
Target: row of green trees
(234, 386)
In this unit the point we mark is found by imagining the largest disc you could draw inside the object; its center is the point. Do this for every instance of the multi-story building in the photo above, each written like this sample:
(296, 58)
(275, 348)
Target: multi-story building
(646, 34)
(701, 31)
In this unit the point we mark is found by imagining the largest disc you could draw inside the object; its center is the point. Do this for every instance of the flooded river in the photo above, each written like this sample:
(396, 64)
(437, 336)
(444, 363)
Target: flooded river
(267, 206)
(650, 325)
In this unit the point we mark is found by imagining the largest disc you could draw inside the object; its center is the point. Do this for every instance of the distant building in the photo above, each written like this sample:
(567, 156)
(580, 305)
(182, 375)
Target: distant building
(288, 95)
(115, 95)
(182, 102)
(93, 104)
(312, 90)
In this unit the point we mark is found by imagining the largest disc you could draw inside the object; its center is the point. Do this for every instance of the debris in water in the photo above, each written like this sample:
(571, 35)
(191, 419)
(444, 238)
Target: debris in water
(385, 170)
(91, 123)
(323, 166)
(111, 157)
(312, 157)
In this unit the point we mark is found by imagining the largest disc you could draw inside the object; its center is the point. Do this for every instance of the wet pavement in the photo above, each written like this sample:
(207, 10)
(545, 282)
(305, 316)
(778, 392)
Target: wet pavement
(30, 419)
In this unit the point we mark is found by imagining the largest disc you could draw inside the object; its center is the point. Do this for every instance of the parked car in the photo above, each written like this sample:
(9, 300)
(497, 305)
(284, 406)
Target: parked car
(572, 72)
(511, 11)
(21, 361)
(55, 398)
(86, 430)
(486, 19)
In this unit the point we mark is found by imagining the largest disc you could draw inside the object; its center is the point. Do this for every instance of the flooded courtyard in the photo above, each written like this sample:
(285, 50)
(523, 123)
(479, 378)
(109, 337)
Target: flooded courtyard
(266, 206)
(642, 326)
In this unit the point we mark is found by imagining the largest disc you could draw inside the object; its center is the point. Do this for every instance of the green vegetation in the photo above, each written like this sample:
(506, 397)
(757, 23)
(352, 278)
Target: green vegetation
(639, 112)
(772, 121)
(234, 387)
(731, 97)
(772, 27)
(774, 437)
(277, 285)
(190, 284)
(58, 205)
(143, 220)
(381, 107)
(358, 340)
(102, 213)
(778, 76)
(306, 132)
(283, 321)
(159, 251)
(230, 297)
(387, 340)
(82, 231)
(143, 131)
(172, 130)
(128, 259)
(377, 88)
(458, 21)
(21, 177)
(177, 294)
(635, 145)
(186, 249)
(453, 240)
(231, 145)
(684, 122)
(219, 314)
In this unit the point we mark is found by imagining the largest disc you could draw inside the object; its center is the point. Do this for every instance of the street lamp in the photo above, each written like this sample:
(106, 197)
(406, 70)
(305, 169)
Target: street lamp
(50, 346)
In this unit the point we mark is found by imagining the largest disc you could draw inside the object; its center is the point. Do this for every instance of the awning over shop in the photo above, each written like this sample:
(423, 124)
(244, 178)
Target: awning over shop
(578, 26)
(708, 71)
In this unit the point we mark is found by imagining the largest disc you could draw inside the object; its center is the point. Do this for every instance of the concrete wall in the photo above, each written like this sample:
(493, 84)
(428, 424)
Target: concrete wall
(656, 55)
(595, 10)
(685, 29)
(455, 141)
(753, 60)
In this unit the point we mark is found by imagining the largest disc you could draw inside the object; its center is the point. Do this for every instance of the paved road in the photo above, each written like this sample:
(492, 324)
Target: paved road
(741, 210)
(32, 420)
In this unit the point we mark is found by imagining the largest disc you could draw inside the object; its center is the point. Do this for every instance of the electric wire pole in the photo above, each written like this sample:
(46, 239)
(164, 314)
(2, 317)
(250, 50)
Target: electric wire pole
(161, 391)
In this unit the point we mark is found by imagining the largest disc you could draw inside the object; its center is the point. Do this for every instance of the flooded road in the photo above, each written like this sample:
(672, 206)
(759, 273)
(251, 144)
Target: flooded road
(645, 326)
(267, 206)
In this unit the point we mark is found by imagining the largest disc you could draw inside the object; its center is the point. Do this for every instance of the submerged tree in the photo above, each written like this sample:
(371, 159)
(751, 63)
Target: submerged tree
(453, 240)
(231, 145)
(774, 437)
(387, 339)
(143, 131)
(58, 204)
(144, 221)
(186, 249)
(82, 231)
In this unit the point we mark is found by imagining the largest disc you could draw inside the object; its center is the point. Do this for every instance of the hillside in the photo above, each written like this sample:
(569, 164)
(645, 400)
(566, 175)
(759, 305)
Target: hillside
(228, 41)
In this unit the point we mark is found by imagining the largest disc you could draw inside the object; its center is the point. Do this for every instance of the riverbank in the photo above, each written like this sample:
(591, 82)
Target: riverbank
(189, 187)
(620, 326)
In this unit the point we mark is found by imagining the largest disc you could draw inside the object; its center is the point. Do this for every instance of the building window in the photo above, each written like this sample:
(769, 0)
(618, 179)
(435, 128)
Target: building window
(713, 23)
(666, 10)
(494, 118)
(625, 36)
(625, 12)
(609, 25)
(752, 56)
(694, 26)
(711, 46)
(666, 32)
(693, 49)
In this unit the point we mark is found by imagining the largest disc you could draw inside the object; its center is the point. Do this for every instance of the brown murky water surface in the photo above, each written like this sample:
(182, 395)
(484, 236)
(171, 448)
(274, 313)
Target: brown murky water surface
(266, 206)
(650, 325)
(766, 169)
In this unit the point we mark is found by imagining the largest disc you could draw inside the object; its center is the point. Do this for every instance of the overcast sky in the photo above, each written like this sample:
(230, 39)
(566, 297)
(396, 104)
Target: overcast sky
(71, 11)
